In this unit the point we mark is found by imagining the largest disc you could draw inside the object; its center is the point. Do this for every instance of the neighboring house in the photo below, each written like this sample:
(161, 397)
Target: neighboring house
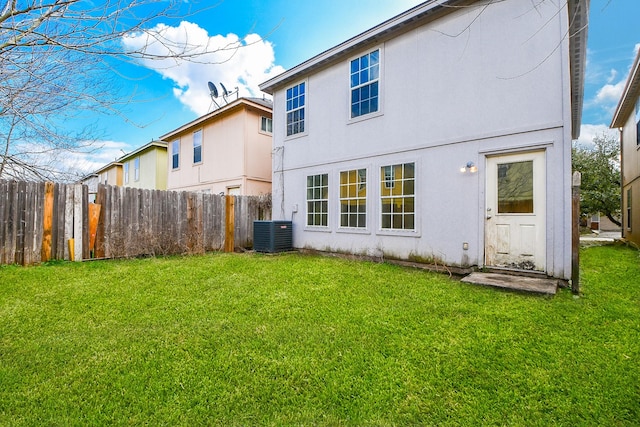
(627, 119)
(91, 181)
(145, 167)
(226, 151)
(110, 174)
(443, 134)
(598, 222)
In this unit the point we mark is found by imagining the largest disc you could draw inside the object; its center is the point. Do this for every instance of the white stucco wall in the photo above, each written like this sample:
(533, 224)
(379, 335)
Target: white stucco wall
(478, 82)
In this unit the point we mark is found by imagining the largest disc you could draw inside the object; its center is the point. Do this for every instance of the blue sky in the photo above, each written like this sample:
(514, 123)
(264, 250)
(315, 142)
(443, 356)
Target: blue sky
(295, 31)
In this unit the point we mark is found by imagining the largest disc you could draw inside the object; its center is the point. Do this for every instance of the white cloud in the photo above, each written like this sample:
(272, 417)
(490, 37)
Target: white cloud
(610, 92)
(236, 62)
(102, 153)
(588, 132)
(66, 164)
(603, 103)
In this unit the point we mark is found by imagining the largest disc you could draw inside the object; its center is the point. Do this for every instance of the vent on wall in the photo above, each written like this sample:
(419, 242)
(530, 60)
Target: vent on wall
(272, 236)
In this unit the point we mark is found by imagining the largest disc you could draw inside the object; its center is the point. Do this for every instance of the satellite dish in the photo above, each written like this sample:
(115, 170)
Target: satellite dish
(213, 89)
(225, 92)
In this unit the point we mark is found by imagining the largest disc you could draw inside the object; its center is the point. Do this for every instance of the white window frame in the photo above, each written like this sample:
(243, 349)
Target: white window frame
(266, 125)
(304, 108)
(379, 79)
(313, 200)
(175, 154)
(360, 185)
(126, 172)
(136, 169)
(200, 145)
(395, 195)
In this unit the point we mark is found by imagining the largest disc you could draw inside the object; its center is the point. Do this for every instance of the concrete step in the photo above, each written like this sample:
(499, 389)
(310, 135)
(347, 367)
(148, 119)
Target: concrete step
(513, 282)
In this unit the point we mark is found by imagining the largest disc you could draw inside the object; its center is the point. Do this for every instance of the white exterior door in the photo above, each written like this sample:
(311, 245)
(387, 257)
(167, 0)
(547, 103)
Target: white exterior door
(515, 232)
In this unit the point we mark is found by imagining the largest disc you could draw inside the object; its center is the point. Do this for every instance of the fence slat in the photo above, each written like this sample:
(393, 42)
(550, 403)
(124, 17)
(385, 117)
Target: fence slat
(85, 222)
(47, 221)
(54, 222)
(77, 222)
(5, 197)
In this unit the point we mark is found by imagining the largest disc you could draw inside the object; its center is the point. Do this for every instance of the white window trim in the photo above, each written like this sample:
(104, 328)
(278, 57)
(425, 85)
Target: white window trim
(175, 141)
(266, 132)
(327, 227)
(416, 194)
(306, 111)
(136, 171)
(193, 146)
(381, 84)
(126, 172)
(340, 227)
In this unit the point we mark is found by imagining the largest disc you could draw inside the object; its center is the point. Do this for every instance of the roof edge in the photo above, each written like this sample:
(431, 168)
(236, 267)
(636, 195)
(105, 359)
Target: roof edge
(107, 166)
(391, 26)
(627, 100)
(255, 102)
(154, 143)
(578, 30)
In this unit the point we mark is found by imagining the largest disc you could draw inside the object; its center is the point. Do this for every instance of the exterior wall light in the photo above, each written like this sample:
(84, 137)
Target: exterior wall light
(469, 167)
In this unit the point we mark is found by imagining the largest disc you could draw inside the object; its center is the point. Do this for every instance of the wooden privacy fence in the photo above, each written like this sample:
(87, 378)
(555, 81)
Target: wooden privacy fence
(47, 221)
(37, 220)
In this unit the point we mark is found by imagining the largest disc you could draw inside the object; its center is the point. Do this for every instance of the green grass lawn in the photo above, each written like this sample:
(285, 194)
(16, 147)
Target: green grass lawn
(246, 339)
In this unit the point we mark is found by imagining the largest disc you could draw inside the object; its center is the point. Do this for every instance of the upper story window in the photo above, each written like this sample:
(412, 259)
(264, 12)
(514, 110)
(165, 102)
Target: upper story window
(266, 124)
(365, 82)
(197, 146)
(126, 173)
(175, 154)
(136, 169)
(295, 109)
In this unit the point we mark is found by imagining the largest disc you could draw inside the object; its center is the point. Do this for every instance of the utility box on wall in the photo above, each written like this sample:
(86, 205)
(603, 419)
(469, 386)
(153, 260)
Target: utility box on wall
(272, 236)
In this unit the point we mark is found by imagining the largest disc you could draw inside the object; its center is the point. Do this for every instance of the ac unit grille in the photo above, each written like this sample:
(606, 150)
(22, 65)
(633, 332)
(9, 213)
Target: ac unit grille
(272, 236)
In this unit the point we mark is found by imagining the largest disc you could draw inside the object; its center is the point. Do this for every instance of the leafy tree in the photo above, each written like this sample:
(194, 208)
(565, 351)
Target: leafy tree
(600, 169)
(56, 60)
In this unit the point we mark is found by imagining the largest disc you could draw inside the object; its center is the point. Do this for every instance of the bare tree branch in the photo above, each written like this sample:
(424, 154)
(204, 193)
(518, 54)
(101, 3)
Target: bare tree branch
(54, 55)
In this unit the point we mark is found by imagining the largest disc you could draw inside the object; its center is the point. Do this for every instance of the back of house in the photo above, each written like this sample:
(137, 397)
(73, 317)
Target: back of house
(226, 151)
(627, 119)
(441, 135)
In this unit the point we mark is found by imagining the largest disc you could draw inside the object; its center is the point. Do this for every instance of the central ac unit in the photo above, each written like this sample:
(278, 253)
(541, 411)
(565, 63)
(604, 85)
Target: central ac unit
(272, 236)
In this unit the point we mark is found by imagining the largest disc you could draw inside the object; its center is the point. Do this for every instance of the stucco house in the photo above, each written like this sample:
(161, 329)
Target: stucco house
(110, 174)
(91, 181)
(225, 151)
(146, 167)
(443, 134)
(627, 119)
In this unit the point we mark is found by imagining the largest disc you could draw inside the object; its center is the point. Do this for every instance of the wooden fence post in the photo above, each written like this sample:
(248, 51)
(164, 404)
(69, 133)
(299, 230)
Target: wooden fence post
(575, 235)
(47, 221)
(230, 217)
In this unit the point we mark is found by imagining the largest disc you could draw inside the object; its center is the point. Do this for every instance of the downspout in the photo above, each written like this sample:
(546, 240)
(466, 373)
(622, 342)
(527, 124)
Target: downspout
(622, 212)
(565, 219)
